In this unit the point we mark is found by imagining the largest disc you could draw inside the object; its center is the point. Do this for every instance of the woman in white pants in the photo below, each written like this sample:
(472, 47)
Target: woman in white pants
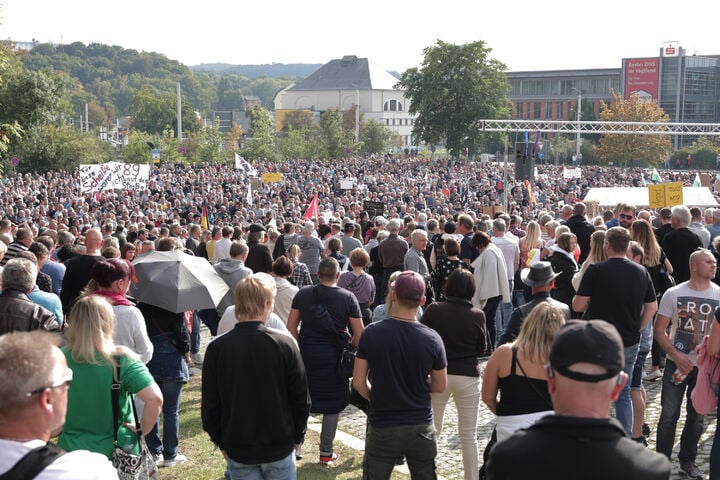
(462, 329)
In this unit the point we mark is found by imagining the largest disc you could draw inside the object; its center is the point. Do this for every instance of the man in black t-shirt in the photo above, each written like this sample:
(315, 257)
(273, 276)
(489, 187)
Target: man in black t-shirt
(399, 353)
(620, 292)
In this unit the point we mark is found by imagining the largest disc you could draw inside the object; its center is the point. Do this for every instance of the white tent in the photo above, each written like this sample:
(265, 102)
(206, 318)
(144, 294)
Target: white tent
(638, 196)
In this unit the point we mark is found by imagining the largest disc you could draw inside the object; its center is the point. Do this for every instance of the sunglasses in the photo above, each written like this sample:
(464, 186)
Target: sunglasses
(65, 380)
(627, 217)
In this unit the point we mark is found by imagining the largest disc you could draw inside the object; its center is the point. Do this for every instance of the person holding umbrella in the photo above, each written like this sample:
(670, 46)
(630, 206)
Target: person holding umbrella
(169, 368)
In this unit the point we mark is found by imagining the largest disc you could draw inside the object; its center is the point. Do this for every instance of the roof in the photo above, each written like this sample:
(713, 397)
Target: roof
(638, 196)
(348, 73)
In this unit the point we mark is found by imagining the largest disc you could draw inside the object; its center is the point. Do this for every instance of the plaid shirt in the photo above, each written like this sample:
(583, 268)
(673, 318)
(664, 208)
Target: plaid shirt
(301, 275)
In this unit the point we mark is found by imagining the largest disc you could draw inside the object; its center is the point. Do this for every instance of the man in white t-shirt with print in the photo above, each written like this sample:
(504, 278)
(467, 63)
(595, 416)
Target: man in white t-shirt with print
(689, 309)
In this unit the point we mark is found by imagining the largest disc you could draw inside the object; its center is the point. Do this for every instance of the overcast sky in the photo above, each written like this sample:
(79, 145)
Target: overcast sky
(549, 35)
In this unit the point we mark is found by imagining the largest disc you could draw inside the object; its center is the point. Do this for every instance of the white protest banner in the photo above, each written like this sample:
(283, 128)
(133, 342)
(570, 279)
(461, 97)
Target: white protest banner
(572, 172)
(111, 175)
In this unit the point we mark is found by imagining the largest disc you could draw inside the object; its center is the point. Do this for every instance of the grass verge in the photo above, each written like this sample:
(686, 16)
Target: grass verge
(206, 463)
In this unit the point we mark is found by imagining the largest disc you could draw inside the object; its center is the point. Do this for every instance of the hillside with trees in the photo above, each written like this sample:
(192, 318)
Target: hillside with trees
(107, 78)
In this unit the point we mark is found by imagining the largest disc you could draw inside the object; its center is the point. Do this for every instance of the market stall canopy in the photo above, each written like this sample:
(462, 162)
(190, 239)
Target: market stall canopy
(638, 196)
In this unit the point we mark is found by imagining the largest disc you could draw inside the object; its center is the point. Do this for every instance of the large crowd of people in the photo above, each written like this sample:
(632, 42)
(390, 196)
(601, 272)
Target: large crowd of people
(419, 266)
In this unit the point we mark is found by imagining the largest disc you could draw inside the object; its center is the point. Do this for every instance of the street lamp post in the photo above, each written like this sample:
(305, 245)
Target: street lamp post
(578, 157)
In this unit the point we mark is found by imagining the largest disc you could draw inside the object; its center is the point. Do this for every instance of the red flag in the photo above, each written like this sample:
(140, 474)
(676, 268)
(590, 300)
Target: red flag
(312, 211)
(203, 219)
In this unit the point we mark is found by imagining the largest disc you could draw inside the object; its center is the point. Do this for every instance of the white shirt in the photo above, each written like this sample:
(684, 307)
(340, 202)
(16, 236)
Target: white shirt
(228, 321)
(77, 465)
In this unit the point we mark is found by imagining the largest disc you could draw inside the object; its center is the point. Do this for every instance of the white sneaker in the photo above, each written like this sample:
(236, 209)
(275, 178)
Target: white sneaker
(197, 359)
(158, 457)
(171, 462)
(654, 375)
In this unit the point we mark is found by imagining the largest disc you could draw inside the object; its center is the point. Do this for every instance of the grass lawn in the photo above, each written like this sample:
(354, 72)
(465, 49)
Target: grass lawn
(206, 463)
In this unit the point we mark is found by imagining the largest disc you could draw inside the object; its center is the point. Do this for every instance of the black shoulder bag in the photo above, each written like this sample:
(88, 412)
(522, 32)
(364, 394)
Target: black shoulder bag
(346, 360)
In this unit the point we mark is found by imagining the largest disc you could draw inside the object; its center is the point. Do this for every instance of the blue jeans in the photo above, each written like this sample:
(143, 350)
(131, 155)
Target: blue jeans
(171, 421)
(623, 405)
(383, 446)
(502, 317)
(280, 470)
(671, 399)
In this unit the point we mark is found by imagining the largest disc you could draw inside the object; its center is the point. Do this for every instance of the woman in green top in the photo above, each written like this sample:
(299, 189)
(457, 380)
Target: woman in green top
(92, 355)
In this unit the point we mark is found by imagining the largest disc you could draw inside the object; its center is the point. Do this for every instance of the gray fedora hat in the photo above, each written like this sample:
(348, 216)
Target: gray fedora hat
(539, 273)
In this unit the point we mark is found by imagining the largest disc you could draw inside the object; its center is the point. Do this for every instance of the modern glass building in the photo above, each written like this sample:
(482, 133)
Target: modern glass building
(687, 88)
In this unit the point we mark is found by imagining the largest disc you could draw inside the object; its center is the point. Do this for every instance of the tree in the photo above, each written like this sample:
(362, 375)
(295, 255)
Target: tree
(261, 144)
(456, 86)
(704, 151)
(376, 137)
(59, 147)
(649, 149)
(154, 112)
(332, 133)
(30, 98)
(299, 120)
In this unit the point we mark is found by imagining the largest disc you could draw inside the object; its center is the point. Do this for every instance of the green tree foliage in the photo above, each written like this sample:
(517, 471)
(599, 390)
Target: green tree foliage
(299, 120)
(137, 149)
(456, 86)
(332, 134)
(112, 75)
(261, 144)
(620, 149)
(155, 112)
(704, 153)
(376, 137)
(59, 147)
(30, 98)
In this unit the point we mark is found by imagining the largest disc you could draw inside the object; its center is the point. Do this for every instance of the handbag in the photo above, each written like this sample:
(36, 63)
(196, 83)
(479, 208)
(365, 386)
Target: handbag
(128, 465)
(346, 364)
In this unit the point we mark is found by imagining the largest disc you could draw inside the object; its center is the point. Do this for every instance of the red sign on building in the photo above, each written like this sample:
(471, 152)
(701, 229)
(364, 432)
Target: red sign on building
(642, 76)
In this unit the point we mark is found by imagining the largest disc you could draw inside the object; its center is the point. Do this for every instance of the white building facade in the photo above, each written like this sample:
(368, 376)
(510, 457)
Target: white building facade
(343, 83)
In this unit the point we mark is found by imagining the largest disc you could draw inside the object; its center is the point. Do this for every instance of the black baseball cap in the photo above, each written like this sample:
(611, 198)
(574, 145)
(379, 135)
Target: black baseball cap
(587, 341)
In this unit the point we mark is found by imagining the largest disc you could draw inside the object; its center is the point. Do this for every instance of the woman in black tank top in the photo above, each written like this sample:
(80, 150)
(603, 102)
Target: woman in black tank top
(516, 372)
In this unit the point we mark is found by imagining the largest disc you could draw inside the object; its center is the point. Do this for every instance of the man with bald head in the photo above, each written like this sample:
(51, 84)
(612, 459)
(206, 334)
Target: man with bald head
(77, 269)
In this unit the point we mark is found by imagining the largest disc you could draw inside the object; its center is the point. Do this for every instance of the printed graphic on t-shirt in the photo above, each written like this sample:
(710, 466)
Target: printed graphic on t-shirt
(695, 316)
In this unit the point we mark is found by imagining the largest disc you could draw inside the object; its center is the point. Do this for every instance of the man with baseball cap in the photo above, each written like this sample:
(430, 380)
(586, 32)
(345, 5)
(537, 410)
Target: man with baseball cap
(585, 374)
(400, 353)
(540, 277)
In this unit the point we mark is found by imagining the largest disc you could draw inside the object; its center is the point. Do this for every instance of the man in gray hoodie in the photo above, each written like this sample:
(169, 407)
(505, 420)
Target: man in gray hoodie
(232, 270)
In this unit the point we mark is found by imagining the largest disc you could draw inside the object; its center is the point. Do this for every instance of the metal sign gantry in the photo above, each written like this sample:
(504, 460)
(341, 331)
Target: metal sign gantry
(622, 128)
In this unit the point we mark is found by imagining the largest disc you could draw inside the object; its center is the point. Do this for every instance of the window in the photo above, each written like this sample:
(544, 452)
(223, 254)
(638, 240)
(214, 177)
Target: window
(392, 106)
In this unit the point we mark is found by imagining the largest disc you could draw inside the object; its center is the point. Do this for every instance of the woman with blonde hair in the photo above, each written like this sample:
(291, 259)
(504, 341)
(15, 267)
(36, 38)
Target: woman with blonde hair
(96, 361)
(529, 245)
(517, 372)
(596, 254)
(657, 265)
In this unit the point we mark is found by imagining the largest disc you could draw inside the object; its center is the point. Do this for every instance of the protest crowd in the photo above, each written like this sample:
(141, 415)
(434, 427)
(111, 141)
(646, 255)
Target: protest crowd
(377, 282)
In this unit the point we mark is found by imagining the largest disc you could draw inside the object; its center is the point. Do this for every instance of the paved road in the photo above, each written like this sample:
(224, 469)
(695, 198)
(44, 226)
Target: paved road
(449, 459)
(351, 431)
